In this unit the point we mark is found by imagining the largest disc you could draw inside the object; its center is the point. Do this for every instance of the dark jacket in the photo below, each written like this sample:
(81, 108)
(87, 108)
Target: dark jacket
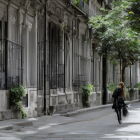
(118, 99)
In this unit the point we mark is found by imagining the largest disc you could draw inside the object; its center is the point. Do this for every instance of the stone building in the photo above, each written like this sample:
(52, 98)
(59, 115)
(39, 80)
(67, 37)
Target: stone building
(46, 45)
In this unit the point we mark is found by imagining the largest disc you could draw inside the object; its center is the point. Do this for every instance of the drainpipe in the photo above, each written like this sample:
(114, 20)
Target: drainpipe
(6, 45)
(130, 77)
(64, 61)
(104, 80)
(72, 54)
(45, 66)
(120, 70)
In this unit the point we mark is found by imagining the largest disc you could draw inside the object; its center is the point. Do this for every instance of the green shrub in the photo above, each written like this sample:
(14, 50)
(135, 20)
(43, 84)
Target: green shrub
(130, 88)
(86, 93)
(138, 86)
(111, 87)
(16, 96)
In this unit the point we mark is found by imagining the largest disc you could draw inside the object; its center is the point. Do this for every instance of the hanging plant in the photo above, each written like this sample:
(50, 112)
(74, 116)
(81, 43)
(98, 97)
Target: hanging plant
(16, 96)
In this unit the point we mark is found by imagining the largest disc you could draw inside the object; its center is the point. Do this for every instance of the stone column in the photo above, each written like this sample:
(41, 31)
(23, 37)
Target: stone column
(25, 41)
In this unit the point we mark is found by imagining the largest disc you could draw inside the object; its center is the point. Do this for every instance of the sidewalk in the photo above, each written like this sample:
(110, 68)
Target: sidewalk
(84, 110)
(47, 121)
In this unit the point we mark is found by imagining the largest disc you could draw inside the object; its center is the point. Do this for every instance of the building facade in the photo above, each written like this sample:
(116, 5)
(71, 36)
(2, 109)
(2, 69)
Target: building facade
(48, 47)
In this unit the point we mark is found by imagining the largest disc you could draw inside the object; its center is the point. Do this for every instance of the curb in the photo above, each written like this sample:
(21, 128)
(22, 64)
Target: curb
(11, 126)
(81, 111)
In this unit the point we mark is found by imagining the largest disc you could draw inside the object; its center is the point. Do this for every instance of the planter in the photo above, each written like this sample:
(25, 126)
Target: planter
(14, 108)
(16, 112)
(131, 95)
(87, 104)
(51, 110)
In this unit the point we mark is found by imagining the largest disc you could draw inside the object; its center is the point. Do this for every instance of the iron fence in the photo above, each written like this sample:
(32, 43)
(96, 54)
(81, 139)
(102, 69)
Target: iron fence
(54, 65)
(10, 64)
(80, 71)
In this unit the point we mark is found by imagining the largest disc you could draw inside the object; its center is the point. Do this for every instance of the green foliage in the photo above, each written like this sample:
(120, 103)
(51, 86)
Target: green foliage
(111, 87)
(126, 93)
(137, 86)
(76, 2)
(16, 96)
(64, 26)
(112, 61)
(85, 1)
(86, 93)
(130, 89)
(117, 39)
(134, 15)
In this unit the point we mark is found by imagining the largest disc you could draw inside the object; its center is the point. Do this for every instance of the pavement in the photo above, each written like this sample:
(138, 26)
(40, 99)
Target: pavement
(96, 124)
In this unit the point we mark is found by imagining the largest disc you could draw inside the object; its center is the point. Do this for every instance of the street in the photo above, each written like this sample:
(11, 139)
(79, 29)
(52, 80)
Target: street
(96, 125)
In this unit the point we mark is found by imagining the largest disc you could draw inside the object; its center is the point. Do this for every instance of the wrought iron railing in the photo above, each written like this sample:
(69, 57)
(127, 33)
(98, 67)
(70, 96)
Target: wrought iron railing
(80, 71)
(54, 66)
(10, 64)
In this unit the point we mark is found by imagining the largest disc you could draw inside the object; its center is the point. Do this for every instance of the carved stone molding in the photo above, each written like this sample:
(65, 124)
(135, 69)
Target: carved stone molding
(82, 27)
(13, 19)
(29, 25)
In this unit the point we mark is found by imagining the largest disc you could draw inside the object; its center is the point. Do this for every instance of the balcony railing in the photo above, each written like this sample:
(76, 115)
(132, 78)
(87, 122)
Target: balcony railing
(84, 7)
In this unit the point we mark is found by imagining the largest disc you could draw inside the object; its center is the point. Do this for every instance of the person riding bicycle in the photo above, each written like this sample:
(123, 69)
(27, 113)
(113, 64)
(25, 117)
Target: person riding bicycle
(118, 96)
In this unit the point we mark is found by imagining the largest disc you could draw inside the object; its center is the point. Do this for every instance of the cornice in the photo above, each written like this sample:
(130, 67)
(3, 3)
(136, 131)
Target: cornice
(4, 1)
(16, 2)
(61, 3)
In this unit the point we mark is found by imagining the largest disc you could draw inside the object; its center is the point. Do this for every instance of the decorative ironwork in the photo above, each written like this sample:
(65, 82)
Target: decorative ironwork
(10, 64)
(55, 60)
(25, 101)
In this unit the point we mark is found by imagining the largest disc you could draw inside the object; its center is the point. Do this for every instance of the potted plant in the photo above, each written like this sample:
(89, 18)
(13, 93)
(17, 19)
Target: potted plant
(16, 96)
(138, 86)
(86, 93)
(131, 92)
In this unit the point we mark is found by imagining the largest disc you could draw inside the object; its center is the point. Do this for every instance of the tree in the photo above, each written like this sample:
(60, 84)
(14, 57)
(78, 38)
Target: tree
(134, 15)
(117, 39)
